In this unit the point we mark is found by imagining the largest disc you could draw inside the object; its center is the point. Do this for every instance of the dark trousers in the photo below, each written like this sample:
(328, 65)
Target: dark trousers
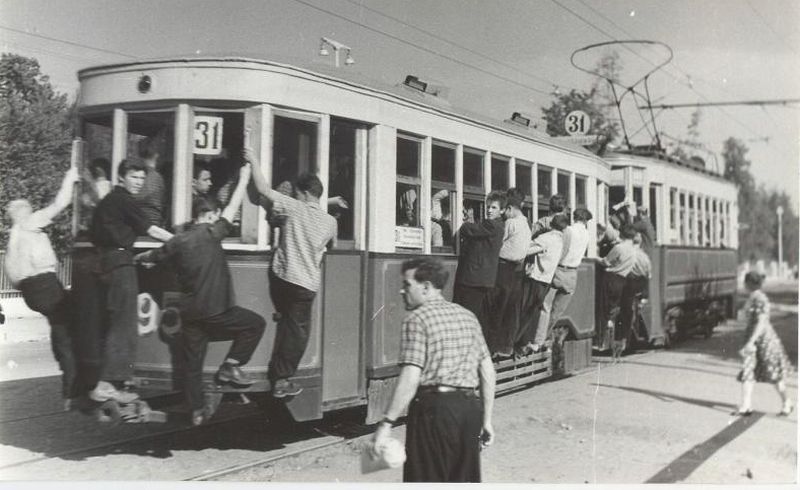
(293, 304)
(613, 284)
(105, 317)
(239, 324)
(443, 438)
(634, 285)
(506, 307)
(44, 293)
(476, 299)
(533, 295)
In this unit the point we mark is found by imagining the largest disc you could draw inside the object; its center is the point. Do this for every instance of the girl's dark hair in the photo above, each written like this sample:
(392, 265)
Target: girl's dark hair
(754, 278)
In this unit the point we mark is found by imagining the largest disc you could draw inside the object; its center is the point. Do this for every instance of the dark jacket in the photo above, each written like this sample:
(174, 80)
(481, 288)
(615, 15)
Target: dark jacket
(480, 252)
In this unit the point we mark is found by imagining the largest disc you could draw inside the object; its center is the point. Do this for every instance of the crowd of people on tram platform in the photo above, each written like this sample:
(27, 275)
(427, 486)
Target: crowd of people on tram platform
(518, 278)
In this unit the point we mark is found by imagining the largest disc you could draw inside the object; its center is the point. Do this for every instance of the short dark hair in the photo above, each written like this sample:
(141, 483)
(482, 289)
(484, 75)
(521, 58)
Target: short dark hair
(627, 231)
(204, 204)
(147, 148)
(100, 165)
(559, 221)
(581, 214)
(126, 166)
(310, 183)
(557, 203)
(498, 197)
(754, 278)
(199, 167)
(428, 269)
(514, 198)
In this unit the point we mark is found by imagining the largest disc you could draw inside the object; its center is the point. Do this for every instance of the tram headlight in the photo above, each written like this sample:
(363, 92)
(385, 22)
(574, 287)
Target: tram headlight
(145, 84)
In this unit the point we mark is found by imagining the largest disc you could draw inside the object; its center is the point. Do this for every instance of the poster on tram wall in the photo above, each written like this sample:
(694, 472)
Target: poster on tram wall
(409, 237)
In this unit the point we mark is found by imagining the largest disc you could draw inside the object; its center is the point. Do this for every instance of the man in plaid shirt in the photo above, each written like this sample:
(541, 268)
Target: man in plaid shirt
(443, 360)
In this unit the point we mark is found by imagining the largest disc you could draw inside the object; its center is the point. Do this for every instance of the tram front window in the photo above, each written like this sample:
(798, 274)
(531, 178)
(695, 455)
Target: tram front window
(342, 175)
(96, 179)
(150, 139)
(217, 155)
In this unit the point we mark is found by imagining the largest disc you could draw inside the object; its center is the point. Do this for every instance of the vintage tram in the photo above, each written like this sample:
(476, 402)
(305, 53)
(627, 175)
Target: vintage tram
(412, 169)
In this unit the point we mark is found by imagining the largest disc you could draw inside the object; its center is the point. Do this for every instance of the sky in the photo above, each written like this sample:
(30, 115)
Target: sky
(497, 57)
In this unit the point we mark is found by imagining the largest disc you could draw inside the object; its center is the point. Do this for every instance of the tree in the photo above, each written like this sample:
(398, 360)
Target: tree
(35, 142)
(596, 102)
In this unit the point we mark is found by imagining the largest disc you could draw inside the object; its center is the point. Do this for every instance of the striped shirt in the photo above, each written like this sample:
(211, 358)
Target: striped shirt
(445, 341)
(305, 231)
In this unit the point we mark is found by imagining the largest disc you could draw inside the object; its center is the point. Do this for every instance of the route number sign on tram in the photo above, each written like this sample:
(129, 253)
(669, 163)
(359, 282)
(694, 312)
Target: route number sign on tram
(207, 135)
(577, 123)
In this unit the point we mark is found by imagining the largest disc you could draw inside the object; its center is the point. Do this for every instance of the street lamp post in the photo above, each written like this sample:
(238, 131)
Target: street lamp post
(780, 240)
(337, 46)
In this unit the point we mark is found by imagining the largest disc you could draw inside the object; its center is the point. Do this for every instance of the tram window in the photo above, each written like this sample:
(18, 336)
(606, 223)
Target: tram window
(294, 149)
(96, 179)
(682, 216)
(342, 175)
(672, 223)
(443, 197)
(500, 172)
(524, 179)
(409, 153)
(218, 142)
(580, 192)
(653, 209)
(473, 169)
(616, 194)
(544, 191)
(474, 209)
(638, 198)
(691, 215)
(562, 182)
(151, 138)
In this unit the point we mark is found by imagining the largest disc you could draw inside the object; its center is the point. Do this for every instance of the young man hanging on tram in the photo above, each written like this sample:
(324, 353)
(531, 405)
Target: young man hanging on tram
(295, 273)
(208, 307)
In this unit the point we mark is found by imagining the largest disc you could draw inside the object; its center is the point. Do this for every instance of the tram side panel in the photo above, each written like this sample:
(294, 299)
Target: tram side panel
(384, 314)
(579, 317)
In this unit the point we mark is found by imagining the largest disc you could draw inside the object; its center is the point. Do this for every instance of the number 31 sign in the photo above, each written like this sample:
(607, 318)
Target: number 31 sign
(577, 123)
(207, 135)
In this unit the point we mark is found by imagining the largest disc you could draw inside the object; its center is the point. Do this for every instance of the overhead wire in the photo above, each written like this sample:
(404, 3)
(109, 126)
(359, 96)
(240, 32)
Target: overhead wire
(70, 43)
(422, 48)
(457, 45)
(772, 29)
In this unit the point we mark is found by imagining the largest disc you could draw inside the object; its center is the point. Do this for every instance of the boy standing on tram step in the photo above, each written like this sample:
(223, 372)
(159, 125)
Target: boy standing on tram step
(618, 264)
(477, 263)
(636, 284)
(510, 272)
(208, 307)
(295, 275)
(31, 266)
(545, 253)
(443, 362)
(558, 205)
(565, 279)
(105, 287)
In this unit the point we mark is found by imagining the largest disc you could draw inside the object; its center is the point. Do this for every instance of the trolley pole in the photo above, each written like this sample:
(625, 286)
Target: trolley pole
(780, 240)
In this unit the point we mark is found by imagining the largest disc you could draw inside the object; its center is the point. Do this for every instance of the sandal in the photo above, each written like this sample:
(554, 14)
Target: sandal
(786, 411)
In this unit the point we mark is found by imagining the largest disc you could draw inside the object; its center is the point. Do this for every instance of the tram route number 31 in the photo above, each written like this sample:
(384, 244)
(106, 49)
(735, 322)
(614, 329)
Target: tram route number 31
(207, 135)
(577, 123)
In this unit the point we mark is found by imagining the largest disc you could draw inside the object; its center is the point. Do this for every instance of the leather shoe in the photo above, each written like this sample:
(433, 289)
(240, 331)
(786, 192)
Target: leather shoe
(284, 388)
(231, 374)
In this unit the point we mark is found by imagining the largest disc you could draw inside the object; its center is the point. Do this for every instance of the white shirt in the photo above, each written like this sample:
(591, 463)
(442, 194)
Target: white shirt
(29, 250)
(544, 265)
(576, 240)
(516, 239)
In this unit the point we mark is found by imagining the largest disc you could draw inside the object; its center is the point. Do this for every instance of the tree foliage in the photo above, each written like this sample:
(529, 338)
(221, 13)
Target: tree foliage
(758, 219)
(35, 141)
(596, 102)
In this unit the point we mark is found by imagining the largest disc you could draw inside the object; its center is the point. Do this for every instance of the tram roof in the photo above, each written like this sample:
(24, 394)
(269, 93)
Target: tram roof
(661, 157)
(365, 83)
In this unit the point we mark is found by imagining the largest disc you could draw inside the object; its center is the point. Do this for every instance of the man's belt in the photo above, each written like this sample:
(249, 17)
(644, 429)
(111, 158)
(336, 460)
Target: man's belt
(567, 267)
(444, 389)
